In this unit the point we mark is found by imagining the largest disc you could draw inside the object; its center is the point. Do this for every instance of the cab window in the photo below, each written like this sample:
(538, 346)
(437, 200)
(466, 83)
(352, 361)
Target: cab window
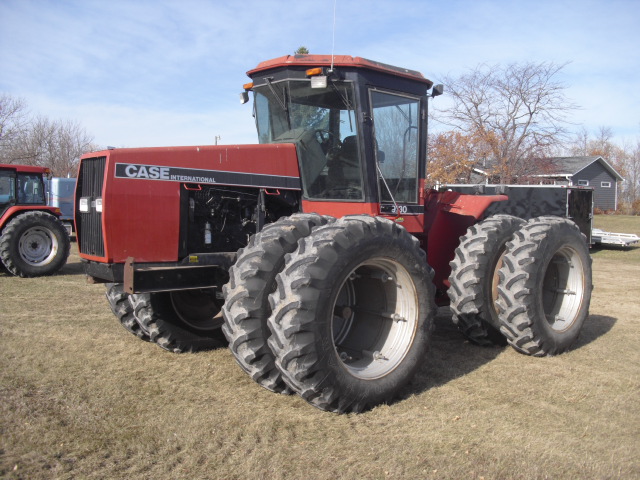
(396, 124)
(30, 189)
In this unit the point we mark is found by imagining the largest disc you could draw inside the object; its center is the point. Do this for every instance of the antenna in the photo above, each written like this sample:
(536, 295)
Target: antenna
(333, 41)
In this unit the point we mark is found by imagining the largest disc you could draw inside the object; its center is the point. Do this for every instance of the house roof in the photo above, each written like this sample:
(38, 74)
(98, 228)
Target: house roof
(574, 165)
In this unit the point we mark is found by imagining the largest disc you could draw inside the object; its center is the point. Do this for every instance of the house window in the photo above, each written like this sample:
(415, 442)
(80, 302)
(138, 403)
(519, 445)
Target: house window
(605, 184)
(583, 183)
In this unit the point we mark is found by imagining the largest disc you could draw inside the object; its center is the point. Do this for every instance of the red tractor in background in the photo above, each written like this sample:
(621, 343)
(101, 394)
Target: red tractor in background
(320, 254)
(33, 241)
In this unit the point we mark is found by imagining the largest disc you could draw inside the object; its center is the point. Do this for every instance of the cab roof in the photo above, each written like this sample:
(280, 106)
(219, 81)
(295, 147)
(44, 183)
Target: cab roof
(25, 168)
(309, 61)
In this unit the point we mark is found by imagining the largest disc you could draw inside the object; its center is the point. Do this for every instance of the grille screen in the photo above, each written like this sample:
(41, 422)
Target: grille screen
(89, 224)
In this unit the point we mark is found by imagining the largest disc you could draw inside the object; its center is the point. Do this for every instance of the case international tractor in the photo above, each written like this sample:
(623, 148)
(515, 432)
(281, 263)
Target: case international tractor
(33, 240)
(319, 254)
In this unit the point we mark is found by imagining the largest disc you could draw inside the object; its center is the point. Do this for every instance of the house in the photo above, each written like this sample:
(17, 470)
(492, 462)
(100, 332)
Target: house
(592, 172)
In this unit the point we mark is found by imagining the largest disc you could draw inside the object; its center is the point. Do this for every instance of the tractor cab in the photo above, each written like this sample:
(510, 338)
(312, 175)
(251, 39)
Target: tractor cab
(21, 185)
(359, 127)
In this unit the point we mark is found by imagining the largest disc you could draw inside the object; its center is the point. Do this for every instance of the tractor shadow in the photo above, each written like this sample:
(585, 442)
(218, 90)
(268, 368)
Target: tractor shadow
(451, 356)
(594, 327)
(72, 268)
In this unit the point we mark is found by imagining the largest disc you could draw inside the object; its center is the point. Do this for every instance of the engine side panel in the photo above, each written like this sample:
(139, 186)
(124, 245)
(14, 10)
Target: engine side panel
(143, 193)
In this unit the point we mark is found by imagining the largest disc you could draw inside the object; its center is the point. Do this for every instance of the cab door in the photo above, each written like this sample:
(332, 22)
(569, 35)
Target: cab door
(7, 190)
(396, 127)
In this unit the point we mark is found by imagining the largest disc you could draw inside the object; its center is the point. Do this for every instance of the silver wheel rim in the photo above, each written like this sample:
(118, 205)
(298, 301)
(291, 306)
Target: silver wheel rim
(197, 308)
(38, 246)
(563, 289)
(375, 317)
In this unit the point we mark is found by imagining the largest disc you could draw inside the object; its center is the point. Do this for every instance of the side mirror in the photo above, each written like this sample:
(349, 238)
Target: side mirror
(244, 97)
(437, 90)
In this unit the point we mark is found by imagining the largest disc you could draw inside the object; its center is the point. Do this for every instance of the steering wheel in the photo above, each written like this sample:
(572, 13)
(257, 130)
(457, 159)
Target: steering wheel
(326, 139)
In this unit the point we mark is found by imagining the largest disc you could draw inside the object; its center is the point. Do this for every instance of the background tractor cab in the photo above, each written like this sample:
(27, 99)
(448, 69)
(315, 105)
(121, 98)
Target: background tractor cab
(360, 129)
(21, 185)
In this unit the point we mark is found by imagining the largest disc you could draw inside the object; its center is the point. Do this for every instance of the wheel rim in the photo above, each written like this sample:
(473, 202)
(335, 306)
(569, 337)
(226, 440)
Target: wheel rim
(197, 308)
(38, 246)
(375, 316)
(495, 279)
(563, 289)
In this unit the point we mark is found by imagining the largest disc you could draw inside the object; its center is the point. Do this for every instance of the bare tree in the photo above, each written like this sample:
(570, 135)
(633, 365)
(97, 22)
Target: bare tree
(519, 109)
(633, 179)
(580, 144)
(14, 123)
(57, 144)
(628, 165)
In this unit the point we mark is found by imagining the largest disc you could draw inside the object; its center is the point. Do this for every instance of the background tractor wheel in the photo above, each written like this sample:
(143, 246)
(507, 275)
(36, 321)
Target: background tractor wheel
(545, 286)
(474, 279)
(251, 280)
(123, 310)
(352, 314)
(34, 244)
(180, 321)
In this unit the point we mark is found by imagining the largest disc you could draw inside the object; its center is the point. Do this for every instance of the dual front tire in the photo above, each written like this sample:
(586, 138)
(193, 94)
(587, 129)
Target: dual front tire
(338, 311)
(352, 314)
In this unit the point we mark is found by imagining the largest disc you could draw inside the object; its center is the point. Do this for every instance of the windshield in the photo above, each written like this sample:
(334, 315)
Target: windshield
(322, 123)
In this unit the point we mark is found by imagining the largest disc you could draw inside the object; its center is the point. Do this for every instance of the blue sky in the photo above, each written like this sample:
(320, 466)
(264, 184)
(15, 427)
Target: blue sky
(158, 73)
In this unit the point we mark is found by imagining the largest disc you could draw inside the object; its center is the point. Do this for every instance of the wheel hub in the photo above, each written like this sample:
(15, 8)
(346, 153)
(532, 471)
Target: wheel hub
(375, 317)
(563, 289)
(37, 246)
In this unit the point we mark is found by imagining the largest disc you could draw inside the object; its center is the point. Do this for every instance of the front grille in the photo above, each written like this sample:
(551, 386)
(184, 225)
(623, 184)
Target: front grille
(90, 179)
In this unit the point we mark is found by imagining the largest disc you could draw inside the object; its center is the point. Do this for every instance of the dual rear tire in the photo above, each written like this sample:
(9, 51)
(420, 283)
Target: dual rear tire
(545, 287)
(474, 278)
(526, 283)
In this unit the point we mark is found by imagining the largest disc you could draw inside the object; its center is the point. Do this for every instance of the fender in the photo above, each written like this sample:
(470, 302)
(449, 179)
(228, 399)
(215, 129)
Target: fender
(18, 209)
(448, 216)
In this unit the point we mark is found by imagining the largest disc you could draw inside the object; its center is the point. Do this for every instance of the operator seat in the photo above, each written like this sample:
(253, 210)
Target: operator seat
(344, 169)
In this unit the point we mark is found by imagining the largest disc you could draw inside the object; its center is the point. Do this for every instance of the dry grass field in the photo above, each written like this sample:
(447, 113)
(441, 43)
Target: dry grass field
(81, 398)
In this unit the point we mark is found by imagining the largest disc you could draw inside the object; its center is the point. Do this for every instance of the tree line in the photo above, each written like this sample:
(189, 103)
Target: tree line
(38, 140)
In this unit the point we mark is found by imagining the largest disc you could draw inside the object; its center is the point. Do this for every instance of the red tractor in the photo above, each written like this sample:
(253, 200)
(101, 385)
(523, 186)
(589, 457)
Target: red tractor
(33, 241)
(319, 253)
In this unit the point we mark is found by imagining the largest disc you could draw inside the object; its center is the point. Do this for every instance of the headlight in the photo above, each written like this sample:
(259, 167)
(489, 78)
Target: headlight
(84, 205)
(99, 205)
